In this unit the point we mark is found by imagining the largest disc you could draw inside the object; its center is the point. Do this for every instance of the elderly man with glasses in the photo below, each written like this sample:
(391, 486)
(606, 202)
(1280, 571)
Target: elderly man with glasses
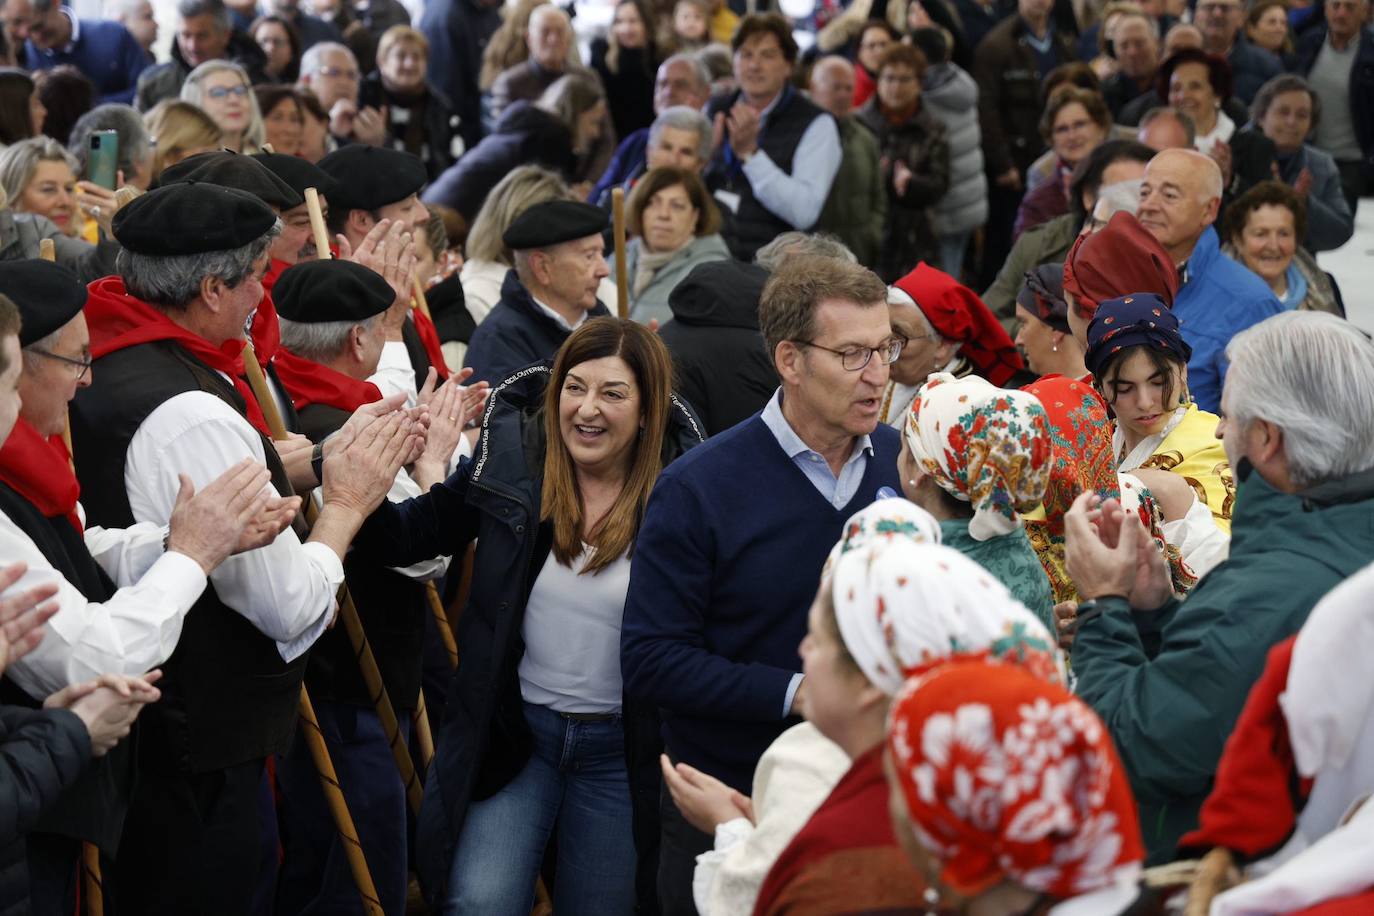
(736, 532)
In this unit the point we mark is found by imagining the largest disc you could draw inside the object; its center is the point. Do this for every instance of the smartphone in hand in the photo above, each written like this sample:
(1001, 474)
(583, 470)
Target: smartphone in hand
(102, 161)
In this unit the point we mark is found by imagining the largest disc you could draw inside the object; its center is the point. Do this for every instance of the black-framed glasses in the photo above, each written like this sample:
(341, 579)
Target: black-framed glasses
(83, 364)
(855, 359)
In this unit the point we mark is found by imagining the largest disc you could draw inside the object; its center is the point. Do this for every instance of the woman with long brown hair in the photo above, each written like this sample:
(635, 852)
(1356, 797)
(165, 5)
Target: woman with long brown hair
(537, 736)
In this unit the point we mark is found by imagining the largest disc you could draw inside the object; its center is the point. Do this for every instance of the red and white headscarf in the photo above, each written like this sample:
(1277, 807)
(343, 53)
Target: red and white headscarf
(1007, 776)
(884, 520)
(984, 445)
(903, 606)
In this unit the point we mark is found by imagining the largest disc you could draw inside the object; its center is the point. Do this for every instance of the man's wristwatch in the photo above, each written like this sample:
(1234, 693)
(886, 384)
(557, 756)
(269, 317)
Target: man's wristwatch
(317, 461)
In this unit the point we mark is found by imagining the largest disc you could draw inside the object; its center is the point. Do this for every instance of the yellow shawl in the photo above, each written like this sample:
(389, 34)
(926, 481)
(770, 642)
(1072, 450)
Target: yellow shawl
(1194, 452)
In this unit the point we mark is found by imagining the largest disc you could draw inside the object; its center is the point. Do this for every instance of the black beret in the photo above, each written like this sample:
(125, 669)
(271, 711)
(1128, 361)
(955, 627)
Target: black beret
(47, 294)
(552, 222)
(298, 173)
(313, 292)
(370, 177)
(191, 217)
(232, 170)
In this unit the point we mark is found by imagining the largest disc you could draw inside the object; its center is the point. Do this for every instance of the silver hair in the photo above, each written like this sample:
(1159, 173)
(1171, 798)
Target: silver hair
(1311, 374)
(19, 161)
(311, 60)
(171, 282)
(1184, 120)
(192, 90)
(134, 147)
(190, 9)
(29, 354)
(787, 244)
(699, 69)
(322, 341)
(682, 117)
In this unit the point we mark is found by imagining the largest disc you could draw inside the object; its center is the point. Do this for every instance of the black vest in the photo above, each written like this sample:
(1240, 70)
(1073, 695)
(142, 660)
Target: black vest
(227, 696)
(753, 225)
(93, 807)
(391, 607)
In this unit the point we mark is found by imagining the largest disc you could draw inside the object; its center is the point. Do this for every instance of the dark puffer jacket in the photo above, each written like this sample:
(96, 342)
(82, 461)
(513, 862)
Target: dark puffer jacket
(42, 752)
(484, 741)
(723, 368)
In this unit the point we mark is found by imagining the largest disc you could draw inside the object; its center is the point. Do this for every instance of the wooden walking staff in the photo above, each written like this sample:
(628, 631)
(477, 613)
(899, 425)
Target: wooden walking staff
(436, 606)
(348, 612)
(314, 737)
(622, 283)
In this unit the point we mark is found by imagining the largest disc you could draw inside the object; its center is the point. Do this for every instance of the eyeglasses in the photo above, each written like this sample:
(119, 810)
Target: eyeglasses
(338, 71)
(856, 358)
(219, 93)
(83, 364)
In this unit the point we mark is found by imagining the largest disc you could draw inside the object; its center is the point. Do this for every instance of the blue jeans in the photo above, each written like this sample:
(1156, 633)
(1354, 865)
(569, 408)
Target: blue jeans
(953, 245)
(575, 782)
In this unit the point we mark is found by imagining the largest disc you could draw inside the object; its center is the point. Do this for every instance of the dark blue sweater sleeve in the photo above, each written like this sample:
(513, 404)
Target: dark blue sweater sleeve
(665, 656)
(437, 523)
(42, 752)
(133, 61)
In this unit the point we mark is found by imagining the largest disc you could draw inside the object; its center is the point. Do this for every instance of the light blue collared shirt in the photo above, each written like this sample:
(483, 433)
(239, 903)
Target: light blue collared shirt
(797, 198)
(838, 491)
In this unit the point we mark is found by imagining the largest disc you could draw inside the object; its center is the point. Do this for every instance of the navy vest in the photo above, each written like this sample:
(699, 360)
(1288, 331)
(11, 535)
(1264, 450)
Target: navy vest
(228, 697)
(753, 225)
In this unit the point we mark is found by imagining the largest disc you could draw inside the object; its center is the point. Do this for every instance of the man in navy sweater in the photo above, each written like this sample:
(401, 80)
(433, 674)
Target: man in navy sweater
(100, 48)
(736, 531)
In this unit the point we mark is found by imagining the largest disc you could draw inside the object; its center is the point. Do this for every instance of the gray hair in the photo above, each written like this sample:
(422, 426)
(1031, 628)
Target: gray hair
(134, 147)
(312, 59)
(322, 341)
(190, 9)
(1311, 374)
(1168, 111)
(171, 282)
(699, 69)
(19, 161)
(1279, 85)
(43, 7)
(790, 244)
(681, 117)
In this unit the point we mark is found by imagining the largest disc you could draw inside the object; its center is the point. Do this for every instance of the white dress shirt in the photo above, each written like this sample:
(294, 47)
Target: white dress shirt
(286, 589)
(133, 632)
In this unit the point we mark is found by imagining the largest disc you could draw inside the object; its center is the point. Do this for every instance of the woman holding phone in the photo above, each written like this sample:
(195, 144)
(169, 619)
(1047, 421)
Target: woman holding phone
(38, 175)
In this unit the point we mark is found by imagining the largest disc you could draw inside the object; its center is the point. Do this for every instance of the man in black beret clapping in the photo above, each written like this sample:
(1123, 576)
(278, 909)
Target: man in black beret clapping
(548, 294)
(167, 337)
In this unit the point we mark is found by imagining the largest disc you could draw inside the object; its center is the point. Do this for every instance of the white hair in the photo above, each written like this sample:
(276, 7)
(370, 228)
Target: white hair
(897, 296)
(544, 10)
(1311, 374)
(313, 58)
(321, 341)
(683, 117)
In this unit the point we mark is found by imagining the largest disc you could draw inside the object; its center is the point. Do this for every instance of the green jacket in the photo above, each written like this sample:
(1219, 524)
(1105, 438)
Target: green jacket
(1012, 559)
(857, 206)
(1171, 683)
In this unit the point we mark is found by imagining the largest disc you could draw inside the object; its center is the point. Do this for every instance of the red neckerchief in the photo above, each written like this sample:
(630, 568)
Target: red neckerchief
(312, 383)
(40, 470)
(117, 320)
(429, 339)
(265, 330)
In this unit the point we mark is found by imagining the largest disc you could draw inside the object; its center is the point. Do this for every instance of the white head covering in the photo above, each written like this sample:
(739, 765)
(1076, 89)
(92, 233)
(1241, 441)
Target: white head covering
(902, 606)
(884, 519)
(984, 445)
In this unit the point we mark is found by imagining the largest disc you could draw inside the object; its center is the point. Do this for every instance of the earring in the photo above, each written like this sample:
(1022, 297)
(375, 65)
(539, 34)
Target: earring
(1055, 348)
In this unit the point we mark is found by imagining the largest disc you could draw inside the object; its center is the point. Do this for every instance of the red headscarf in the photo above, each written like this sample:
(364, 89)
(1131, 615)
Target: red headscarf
(311, 383)
(118, 320)
(1121, 259)
(1007, 776)
(956, 313)
(40, 470)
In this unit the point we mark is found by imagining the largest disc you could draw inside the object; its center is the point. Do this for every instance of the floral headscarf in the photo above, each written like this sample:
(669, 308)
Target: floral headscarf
(1007, 776)
(983, 445)
(902, 606)
(884, 519)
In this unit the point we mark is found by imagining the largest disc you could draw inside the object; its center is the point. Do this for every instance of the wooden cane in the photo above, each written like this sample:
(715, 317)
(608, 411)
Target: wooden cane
(343, 821)
(622, 283)
(424, 737)
(348, 612)
(1216, 873)
(436, 606)
(312, 206)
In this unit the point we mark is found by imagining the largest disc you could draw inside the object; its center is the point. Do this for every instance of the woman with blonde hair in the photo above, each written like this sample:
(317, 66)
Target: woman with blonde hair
(180, 130)
(223, 90)
(539, 739)
(39, 176)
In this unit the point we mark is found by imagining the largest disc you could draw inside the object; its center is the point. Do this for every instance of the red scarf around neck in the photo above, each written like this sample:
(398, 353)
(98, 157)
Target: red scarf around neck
(312, 383)
(117, 321)
(265, 330)
(40, 470)
(429, 339)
